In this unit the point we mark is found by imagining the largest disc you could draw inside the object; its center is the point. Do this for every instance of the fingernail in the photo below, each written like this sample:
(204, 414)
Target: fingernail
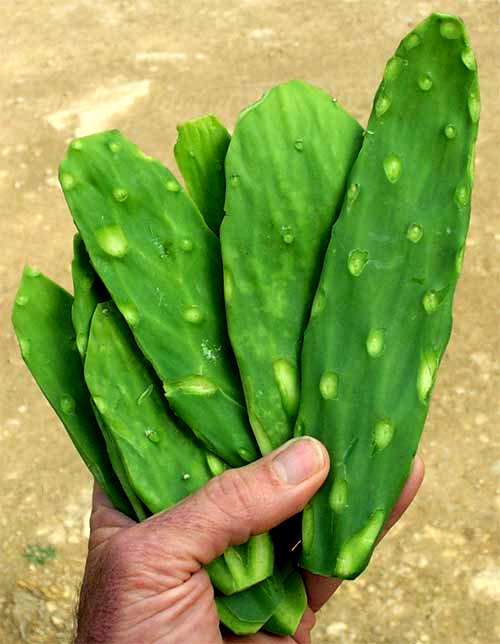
(302, 458)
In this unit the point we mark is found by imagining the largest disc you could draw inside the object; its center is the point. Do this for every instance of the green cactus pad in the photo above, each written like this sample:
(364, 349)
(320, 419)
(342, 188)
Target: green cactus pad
(286, 169)
(287, 615)
(200, 151)
(246, 613)
(383, 316)
(163, 462)
(88, 291)
(161, 264)
(42, 321)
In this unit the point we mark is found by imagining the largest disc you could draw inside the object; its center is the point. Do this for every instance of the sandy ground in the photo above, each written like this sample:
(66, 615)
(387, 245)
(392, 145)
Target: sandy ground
(78, 66)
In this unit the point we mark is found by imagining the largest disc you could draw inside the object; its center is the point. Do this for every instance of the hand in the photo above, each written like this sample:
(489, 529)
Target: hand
(145, 582)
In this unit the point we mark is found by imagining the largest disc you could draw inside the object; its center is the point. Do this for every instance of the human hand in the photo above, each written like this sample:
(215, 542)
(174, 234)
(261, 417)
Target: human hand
(145, 582)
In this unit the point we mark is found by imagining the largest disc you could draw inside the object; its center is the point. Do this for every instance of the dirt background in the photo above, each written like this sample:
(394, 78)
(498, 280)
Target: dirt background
(75, 67)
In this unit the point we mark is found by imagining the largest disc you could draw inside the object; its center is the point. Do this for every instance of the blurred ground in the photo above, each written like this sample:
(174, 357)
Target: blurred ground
(78, 66)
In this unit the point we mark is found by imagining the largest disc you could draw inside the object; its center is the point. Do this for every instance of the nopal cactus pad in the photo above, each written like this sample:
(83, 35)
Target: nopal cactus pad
(284, 188)
(385, 318)
(163, 462)
(137, 222)
(200, 151)
(42, 321)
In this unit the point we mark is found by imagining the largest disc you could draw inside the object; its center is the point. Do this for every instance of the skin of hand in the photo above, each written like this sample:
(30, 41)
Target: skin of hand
(144, 583)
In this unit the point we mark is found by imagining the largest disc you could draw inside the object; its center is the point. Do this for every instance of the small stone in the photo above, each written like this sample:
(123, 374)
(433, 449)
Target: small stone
(486, 584)
(336, 628)
(57, 621)
(57, 536)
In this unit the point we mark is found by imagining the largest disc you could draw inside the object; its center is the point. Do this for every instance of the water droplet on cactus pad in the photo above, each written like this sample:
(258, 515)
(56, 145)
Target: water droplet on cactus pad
(24, 345)
(383, 433)
(307, 527)
(101, 404)
(382, 105)
(357, 261)
(462, 194)
(414, 233)
(393, 68)
(186, 476)
(474, 104)
(287, 234)
(299, 145)
(375, 342)
(67, 404)
(425, 82)
(186, 245)
(338, 495)
(459, 260)
(172, 186)
(318, 302)
(426, 374)
(145, 394)
(215, 464)
(245, 454)
(355, 552)
(228, 285)
(287, 380)
(112, 240)
(469, 59)
(130, 313)
(352, 193)
(152, 435)
(450, 29)
(450, 131)
(300, 427)
(329, 385)
(81, 343)
(193, 314)
(120, 194)
(411, 41)
(194, 385)
(67, 180)
(76, 144)
(430, 301)
(393, 167)
(22, 299)
(113, 146)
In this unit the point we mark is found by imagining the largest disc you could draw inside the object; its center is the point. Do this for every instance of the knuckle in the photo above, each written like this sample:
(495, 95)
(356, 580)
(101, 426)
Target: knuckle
(233, 495)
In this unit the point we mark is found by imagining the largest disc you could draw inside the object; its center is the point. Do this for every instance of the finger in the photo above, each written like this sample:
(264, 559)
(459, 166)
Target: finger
(104, 517)
(319, 588)
(99, 498)
(243, 502)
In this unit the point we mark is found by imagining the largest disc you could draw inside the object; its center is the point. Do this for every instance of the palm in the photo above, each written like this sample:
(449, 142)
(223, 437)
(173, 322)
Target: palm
(164, 597)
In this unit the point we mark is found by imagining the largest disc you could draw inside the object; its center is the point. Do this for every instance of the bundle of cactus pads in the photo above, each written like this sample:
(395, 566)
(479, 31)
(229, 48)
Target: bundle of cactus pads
(300, 282)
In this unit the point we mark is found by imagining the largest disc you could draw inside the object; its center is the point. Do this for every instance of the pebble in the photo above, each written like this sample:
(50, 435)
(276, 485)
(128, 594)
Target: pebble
(57, 621)
(486, 584)
(336, 628)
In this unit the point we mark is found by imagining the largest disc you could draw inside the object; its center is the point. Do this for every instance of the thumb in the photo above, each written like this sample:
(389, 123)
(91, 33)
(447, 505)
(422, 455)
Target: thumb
(242, 502)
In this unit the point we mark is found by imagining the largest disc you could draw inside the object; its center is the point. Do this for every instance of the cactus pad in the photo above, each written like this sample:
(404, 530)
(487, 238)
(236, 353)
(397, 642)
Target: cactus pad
(284, 188)
(382, 313)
